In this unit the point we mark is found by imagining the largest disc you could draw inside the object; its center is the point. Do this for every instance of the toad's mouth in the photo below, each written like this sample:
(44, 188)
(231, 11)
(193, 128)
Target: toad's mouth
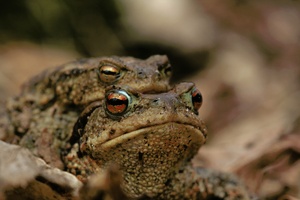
(150, 153)
(170, 133)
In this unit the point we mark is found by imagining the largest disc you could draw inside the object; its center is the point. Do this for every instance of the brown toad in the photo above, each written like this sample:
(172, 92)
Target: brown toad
(152, 138)
(41, 118)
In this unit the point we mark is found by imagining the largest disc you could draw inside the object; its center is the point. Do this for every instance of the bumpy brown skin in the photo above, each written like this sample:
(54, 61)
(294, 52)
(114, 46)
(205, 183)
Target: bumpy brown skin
(153, 144)
(201, 183)
(41, 118)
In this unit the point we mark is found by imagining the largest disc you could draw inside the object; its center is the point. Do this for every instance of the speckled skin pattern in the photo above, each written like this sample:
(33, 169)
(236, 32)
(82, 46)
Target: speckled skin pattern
(153, 143)
(61, 116)
(42, 117)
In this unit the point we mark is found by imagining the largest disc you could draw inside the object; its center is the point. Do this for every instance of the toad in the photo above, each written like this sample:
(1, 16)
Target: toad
(152, 138)
(42, 117)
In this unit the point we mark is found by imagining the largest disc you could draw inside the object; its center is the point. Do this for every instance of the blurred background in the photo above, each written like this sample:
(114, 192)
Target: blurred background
(243, 55)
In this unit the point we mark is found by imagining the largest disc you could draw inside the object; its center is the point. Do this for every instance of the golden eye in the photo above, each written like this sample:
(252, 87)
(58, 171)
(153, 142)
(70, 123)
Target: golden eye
(117, 102)
(196, 99)
(109, 73)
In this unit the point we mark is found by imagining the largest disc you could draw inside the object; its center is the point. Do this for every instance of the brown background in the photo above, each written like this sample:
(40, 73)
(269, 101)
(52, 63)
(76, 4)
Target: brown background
(243, 55)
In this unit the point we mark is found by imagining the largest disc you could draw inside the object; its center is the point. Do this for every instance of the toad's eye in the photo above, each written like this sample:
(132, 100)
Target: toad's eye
(165, 69)
(168, 71)
(117, 102)
(109, 73)
(196, 99)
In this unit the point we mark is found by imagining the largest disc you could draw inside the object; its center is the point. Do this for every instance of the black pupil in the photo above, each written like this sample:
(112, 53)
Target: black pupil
(197, 98)
(109, 72)
(116, 101)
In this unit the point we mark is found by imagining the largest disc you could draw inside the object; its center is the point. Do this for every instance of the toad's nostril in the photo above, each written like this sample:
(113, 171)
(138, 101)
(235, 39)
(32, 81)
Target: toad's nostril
(141, 74)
